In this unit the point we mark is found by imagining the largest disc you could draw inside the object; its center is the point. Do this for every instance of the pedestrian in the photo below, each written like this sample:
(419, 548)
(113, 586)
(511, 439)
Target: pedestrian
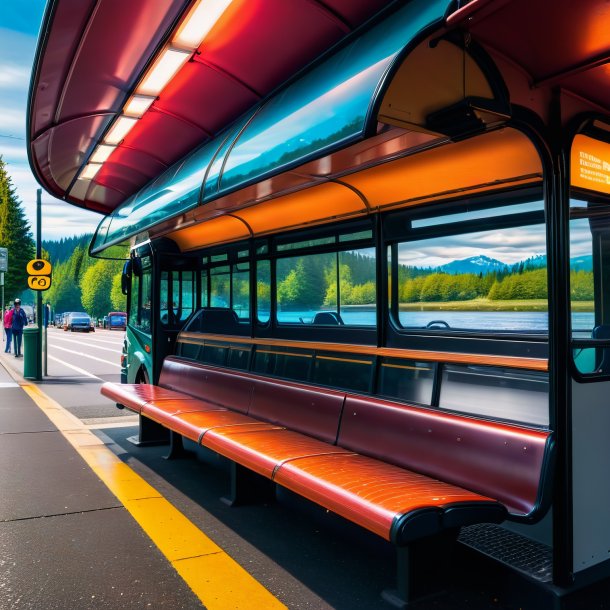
(20, 320)
(8, 321)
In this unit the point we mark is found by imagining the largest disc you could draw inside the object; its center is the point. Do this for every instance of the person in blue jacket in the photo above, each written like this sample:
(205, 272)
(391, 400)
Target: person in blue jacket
(20, 320)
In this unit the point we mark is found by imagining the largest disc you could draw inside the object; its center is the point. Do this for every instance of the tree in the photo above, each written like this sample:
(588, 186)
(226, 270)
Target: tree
(96, 286)
(117, 298)
(15, 236)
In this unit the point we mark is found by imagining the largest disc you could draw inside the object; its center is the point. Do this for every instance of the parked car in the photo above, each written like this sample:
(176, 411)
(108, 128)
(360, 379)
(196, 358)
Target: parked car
(78, 321)
(117, 320)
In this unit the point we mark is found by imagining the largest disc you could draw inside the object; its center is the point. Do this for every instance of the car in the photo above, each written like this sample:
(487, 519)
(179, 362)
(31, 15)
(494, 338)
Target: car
(78, 321)
(116, 320)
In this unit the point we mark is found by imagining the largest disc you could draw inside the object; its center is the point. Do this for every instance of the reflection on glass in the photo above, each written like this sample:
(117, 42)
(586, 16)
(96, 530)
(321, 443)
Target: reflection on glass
(263, 291)
(498, 393)
(328, 107)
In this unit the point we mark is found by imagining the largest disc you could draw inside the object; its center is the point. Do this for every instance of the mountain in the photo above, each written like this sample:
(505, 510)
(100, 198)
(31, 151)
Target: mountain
(582, 263)
(474, 264)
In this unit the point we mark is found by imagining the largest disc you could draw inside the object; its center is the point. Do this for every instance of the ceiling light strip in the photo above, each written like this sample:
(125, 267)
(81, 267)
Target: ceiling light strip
(198, 23)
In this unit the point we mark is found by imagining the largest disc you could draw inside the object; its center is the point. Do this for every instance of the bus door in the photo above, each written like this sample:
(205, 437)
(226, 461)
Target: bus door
(177, 291)
(589, 275)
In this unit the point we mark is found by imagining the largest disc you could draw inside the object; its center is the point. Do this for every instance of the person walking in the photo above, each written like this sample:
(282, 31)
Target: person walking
(8, 321)
(20, 320)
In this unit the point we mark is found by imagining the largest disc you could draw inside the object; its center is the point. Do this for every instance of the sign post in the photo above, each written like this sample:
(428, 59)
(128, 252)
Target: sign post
(3, 270)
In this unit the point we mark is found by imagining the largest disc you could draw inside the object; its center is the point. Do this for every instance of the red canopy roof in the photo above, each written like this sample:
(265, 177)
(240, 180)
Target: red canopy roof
(92, 53)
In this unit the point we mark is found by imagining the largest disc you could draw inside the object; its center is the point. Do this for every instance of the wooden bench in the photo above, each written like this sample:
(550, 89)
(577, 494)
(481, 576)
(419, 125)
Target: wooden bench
(408, 474)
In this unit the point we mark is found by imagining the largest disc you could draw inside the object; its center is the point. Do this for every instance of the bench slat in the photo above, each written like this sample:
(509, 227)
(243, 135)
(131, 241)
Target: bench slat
(265, 450)
(376, 495)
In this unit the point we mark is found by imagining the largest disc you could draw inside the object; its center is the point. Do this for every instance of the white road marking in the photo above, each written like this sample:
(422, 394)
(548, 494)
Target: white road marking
(74, 368)
(107, 349)
(8, 384)
(63, 349)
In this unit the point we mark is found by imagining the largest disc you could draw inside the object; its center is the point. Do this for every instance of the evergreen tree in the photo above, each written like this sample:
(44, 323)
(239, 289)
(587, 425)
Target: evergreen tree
(15, 236)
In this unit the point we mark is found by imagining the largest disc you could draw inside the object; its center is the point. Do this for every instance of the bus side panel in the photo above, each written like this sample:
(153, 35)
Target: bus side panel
(591, 456)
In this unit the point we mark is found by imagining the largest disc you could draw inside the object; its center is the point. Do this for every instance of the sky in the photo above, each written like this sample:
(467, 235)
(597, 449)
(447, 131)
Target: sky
(19, 25)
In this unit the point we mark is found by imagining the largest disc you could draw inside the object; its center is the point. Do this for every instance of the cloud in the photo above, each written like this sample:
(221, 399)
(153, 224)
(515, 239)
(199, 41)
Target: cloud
(506, 245)
(14, 77)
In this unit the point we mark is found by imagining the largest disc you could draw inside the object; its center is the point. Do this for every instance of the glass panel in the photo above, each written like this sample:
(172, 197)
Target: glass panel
(204, 288)
(530, 206)
(496, 392)
(241, 290)
(175, 192)
(239, 357)
(263, 291)
(283, 362)
(328, 106)
(358, 287)
(305, 285)
(309, 243)
(215, 353)
(187, 295)
(491, 281)
(134, 303)
(339, 371)
(407, 380)
(368, 234)
(164, 298)
(589, 273)
(144, 317)
(220, 287)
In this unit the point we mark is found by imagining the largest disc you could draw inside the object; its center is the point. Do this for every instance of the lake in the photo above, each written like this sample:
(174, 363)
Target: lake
(526, 321)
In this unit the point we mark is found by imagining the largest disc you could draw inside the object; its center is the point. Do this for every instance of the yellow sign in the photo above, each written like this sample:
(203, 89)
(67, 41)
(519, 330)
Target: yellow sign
(39, 277)
(39, 266)
(39, 282)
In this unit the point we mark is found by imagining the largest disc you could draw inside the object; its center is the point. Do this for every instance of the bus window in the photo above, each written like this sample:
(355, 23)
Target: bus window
(263, 291)
(141, 296)
(177, 296)
(240, 289)
(462, 275)
(134, 300)
(220, 286)
(336, 288)
(590, 315)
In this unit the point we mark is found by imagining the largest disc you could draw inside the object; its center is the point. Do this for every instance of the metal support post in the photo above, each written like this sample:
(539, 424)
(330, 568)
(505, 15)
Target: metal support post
(39, 312)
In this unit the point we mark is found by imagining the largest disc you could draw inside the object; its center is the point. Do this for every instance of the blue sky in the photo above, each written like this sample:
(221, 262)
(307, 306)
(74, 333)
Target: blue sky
(19, 25)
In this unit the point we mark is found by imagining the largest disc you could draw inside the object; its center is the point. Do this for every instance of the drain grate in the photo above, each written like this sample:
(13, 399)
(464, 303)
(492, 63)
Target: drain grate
(528, 556)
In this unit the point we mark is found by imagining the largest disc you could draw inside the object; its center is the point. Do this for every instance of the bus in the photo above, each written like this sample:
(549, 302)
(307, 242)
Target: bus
(411, 204)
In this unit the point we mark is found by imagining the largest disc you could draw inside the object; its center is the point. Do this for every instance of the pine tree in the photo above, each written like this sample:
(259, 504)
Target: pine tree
(15, 235)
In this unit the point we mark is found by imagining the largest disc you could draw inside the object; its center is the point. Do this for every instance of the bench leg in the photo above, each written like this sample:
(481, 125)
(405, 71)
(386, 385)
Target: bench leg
(150, 433)
(248, 487)
(422, 569)
(176, 447)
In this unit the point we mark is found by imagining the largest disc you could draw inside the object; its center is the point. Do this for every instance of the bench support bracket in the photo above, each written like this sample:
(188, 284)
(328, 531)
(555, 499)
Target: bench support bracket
(176, 448)
(150, 433)
(422, 569)
(248, 487)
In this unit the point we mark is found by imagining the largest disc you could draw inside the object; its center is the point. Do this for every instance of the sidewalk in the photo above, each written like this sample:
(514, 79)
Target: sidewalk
(65, 540)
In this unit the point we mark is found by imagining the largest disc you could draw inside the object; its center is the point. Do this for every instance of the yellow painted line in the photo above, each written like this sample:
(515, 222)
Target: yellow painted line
(215, 578)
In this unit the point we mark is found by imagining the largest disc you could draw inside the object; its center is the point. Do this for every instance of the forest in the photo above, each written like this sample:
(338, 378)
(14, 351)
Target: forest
(311, 282)
(80, 282)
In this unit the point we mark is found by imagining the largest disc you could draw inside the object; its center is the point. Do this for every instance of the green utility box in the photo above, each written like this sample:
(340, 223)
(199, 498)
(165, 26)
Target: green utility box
(31, 359)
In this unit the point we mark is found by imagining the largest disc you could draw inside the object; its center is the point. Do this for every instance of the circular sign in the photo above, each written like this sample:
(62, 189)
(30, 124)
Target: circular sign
(39, 266)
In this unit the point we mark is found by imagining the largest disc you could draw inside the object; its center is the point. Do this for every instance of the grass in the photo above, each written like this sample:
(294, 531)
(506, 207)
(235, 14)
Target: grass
(483, 304)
